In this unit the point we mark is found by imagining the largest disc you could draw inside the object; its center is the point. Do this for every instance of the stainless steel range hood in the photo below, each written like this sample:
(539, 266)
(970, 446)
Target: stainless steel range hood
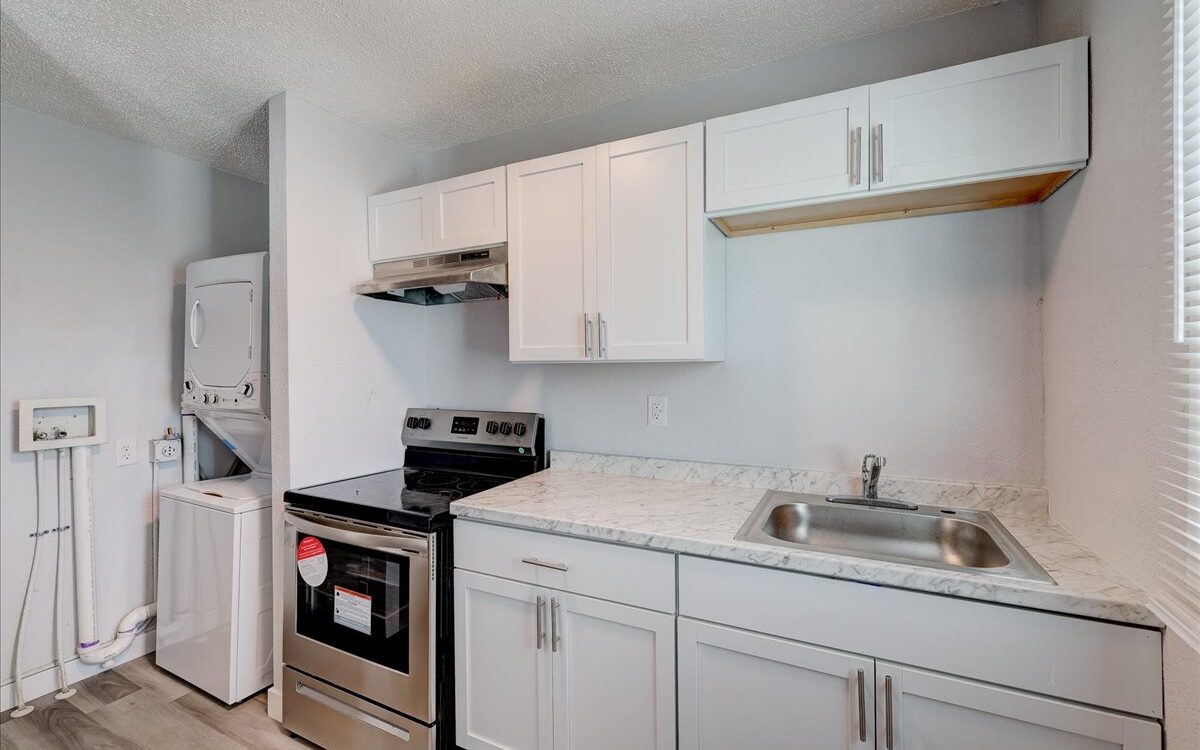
(441, 279)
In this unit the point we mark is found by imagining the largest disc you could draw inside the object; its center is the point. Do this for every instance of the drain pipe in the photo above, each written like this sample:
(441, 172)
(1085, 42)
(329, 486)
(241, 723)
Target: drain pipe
(91, 651)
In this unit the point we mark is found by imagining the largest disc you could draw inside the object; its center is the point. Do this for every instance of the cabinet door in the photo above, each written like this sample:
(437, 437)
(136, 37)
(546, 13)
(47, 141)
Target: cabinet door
(788, 153)
(650, 251)
(1018, 112)
(220, 330)
(400, 224)
(614, 675)
(503, 695)
(470, 211)
(551, 256)
(920, 710)
(739, 690)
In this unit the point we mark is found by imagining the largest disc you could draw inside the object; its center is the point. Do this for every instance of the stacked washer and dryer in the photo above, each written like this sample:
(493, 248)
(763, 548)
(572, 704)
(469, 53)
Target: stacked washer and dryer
(214, 575)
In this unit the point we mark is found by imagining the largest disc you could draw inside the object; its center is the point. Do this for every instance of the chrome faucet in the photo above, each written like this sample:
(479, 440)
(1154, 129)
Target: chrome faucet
(872, 467)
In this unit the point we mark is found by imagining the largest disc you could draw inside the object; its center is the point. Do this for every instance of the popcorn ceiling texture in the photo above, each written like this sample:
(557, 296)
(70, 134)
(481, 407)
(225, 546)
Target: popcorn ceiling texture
(193, 77)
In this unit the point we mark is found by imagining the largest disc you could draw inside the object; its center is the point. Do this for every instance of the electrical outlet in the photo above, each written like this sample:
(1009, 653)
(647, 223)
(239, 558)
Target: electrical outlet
(168, 449)
(126, 451)
(656, 411)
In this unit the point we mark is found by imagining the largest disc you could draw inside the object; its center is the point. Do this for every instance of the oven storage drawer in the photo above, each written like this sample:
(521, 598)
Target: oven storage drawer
(640, 577)
(335, 719)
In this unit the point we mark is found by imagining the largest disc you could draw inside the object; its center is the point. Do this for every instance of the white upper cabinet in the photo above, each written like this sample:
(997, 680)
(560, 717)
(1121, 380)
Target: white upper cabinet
(997, 132)
(800, 150)
(470, 211)
(461, 213)
(919, 710)
(1023, 111)
(650, 264)
(400, 224)
(552, 257)
(610, 255)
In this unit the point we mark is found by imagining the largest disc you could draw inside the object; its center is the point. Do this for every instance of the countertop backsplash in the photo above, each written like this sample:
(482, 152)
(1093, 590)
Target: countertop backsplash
(1030, 503)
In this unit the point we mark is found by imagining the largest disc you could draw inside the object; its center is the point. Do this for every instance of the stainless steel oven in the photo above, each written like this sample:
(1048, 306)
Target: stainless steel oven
(368, 635)
(367, 625)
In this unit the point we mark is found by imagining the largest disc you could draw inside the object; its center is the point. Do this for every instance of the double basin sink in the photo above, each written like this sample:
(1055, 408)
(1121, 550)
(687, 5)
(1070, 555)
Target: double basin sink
(944, 538)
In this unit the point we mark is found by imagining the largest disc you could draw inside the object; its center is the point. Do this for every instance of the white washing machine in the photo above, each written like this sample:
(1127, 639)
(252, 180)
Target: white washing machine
(214, 585)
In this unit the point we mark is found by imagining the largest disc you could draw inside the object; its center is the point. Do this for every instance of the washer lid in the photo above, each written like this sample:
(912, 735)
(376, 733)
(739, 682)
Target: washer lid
(230, 494)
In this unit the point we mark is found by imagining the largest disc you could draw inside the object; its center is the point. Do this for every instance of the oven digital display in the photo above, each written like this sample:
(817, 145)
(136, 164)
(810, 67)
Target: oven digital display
(465, 425)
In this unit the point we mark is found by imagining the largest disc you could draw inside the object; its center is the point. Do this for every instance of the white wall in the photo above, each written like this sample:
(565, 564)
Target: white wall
(919, 339)
(343, 368)
(95, 233)
(1104, 235)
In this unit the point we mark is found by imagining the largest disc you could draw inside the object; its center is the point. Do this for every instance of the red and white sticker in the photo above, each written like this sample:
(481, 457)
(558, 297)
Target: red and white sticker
(352, 609)
(311, 561)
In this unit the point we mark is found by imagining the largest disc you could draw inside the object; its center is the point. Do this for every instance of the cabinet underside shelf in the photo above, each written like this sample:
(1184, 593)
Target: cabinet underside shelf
(1013, 191)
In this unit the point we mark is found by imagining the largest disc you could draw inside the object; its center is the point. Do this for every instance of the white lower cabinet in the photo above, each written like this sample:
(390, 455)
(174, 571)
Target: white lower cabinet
(919, 710)
(502, 677)
(746, 657)
(538, 668)
(614, 675)
(744, 690)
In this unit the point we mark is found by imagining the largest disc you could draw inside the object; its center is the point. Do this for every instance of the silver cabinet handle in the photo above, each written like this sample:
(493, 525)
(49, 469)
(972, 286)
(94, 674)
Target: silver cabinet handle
(862, 706)
(877, 152)
(540, 626)
(544, 563)
(587, 336)
(887, 709)
(554, 639)
(856, 156)
(603, 336)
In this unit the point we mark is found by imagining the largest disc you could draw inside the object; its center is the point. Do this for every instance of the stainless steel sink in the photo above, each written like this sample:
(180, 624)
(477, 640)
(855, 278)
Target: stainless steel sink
(945, 538)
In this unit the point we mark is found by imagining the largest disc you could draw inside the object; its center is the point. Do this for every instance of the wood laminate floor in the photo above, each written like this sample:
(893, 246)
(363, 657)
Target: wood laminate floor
(138, 706)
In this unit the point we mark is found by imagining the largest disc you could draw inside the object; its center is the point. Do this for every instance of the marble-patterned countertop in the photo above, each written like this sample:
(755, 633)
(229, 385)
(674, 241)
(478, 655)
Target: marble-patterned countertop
(700, 518)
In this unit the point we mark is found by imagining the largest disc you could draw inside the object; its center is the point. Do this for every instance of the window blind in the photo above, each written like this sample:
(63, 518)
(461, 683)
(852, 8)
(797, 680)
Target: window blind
(1177, 597)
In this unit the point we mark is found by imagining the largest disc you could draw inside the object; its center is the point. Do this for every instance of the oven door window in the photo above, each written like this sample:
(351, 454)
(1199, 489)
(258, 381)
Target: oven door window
(362, 606)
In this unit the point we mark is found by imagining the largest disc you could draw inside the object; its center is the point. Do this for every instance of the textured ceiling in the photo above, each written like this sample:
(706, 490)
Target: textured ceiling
(192, 76)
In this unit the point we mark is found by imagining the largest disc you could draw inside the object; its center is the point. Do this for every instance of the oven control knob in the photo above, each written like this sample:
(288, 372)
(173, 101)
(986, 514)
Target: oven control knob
(411, 423)
(519, 429)
(247, 389)
(493, 427)
(505, 428)
(424, 423)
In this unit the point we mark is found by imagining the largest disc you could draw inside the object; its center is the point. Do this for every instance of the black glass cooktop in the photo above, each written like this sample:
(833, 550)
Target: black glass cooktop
(408, 497)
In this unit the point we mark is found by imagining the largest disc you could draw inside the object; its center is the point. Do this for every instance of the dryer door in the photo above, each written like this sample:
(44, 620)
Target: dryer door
(219, 322)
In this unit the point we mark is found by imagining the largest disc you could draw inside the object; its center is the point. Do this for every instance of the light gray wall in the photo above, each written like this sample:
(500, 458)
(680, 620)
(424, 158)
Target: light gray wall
(1105, 236)
(95, 234)
(950, 40)
(919, 339)
(343, 368)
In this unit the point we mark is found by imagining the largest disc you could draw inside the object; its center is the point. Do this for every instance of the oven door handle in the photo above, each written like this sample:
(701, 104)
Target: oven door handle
(381, 542)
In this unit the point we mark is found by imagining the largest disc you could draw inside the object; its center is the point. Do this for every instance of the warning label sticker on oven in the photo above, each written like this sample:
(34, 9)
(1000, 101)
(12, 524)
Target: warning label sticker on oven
(352, 609)
(311, 560)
